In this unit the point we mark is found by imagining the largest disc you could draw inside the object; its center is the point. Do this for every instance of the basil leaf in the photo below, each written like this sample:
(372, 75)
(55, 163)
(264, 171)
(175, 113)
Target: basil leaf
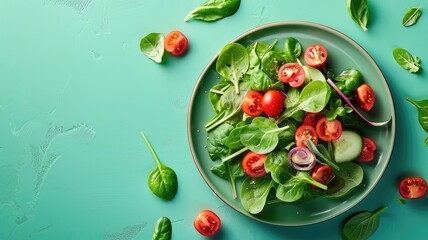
(406, 60)
(163, 180)
(359, 12)
(362, 225)
(411, 16)
(213, 10)
(163, 229)
(152, 45)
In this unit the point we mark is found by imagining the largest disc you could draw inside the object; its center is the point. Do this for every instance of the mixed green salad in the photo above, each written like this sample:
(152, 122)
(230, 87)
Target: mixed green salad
(287, 123)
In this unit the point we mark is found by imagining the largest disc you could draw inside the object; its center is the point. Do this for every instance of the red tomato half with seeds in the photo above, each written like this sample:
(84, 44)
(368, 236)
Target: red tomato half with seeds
(367, 154)
(207, 223)
(413, 187)
(365, 97)
(292, 73)
(176, 43)
(316, 55)
(329, 130)
(273, 103)
(252, 103)
(254, 164)
(322, 173)
(305, 132)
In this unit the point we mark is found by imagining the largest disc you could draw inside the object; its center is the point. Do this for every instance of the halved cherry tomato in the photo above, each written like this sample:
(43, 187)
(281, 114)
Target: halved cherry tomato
(207, 223)
(316, 55)
(365, 97)
(303, 133)
(254, 164)
(311, 119)
(322, 173)
(176, 43)
(292, 73)
(367, 154)
(252, 103)
(413, 187)
(329, 130)
(273, 103)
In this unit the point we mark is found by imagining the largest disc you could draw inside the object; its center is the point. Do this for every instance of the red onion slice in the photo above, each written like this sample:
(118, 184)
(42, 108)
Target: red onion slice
(301, 158)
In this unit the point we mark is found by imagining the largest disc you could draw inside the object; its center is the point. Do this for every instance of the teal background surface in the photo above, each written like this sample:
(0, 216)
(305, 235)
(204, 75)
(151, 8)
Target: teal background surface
(75, 91)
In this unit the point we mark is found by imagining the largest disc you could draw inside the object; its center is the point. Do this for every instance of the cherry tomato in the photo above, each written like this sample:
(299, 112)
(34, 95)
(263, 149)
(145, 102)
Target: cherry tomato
(252, 103)
(207, 223)
(365, 97)
(176, 43)
(273, 103)
(311, 119)
(367, 154)
(322, 173)
(329, 130)
(303, 133)
(316, 55)
(292, 73)
(254, 164)
(413, 187)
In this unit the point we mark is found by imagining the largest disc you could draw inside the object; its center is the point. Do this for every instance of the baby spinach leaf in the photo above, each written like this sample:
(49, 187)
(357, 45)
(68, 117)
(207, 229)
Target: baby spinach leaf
(215, 94)
(359, 12)
(213, 10)
(163, 180)
(271, 62)
(216, 146)
(314, 96)
(233, 141)
(411, 16)
(294, 188)
(230, 170)
(232, 63)
(422, 106)
(292, 49)
(254, 192)
(260, 81)
(352, 174)
(261, 136)
(406, 60)
(312, 74)
(152, 45)
(277, 165)
(362, 225)
(351, 78)
(163, 229)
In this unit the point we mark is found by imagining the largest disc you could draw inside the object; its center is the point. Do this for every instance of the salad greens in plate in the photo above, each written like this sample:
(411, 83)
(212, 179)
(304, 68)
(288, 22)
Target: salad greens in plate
(278, 123)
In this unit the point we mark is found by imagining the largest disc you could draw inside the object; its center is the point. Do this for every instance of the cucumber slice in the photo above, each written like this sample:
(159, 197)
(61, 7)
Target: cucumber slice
(348, 147)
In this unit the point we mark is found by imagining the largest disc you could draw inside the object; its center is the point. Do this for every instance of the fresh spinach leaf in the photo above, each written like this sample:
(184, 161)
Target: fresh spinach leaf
(163, 229)
(163, 180)
(406, 60)
(352, 174)
(152, 45)
(271, 62)
(254, 192)
(337, 109)
(261, 136)
(292, 49)
(277, 165)
(216, 145)
(232, 63)
(230, 170)
(213, 10)
(215, 95)
(312, 74)
(294, 188)
(359, 12)
(260, 81)
(422, 106)
(362, 225)
(411, 16)
(351, 77)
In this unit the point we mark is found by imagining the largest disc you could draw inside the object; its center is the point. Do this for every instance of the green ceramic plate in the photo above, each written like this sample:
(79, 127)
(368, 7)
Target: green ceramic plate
(343, 53)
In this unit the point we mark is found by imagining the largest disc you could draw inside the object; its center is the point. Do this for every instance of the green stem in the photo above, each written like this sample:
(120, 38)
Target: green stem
(158, 163)
(237, 153)
(232, 182)
(286, 114)
(216, 118)
(223, 119)
(279, 129)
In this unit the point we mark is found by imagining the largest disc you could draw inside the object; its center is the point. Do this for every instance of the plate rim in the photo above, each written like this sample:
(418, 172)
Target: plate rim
(288, 23)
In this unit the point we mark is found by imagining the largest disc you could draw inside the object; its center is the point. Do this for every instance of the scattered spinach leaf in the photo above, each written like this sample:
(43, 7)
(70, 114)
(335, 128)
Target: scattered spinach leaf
(152, 45)
(213, 10)
(411, 16)
(163, 180)
(232, 63)
(362, 225)
(163, 229)
(406, 60)
(359, 12)
(422, 106)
